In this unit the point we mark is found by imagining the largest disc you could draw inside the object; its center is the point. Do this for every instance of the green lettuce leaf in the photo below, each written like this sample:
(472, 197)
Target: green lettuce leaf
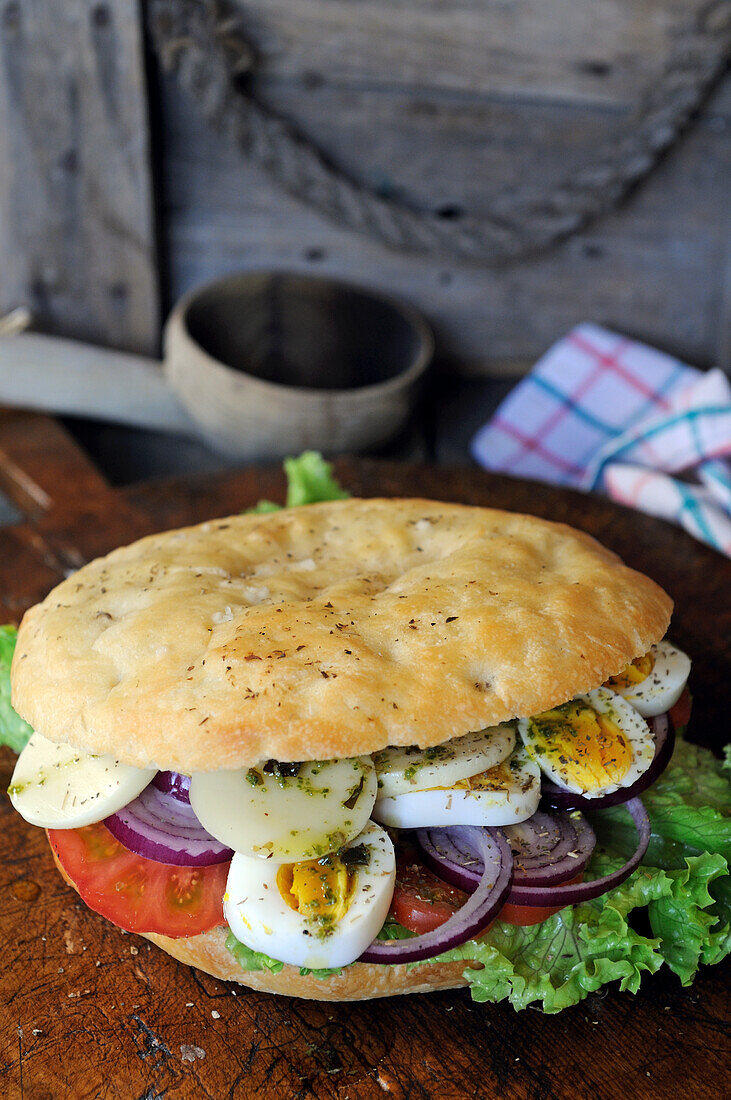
(689, 808)
(392, 930)
(573, 953)
(309, 480)
(251, 960)
(323, 972)
(683, 918)
(719, 940)
(14, 732)
(248, 959)
(584, 947)
(683, 882)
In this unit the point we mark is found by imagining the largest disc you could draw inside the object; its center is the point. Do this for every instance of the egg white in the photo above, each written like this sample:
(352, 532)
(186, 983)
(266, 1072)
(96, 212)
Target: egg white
(289, 818)
(660, 690)
(632, 725)
(259, 917)
(400, 770)
(62, 787)
(511, 793)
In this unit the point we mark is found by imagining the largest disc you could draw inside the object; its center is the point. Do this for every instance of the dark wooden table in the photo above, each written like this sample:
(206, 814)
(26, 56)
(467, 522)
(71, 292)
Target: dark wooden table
(89, 1012)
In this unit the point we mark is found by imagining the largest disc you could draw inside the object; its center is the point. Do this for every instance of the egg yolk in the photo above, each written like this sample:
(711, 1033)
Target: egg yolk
(494, 779)
(583, 745)
(320, 889)
(633, 674)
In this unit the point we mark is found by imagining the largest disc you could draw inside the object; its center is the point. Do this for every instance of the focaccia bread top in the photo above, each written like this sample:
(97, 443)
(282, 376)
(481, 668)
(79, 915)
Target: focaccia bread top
(327, 630)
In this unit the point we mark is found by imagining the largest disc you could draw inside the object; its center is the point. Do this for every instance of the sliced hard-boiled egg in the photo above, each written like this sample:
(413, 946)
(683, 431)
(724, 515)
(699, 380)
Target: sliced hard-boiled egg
(286, 812)
(319, 913)
(591, 745)
(654, 682)
(62, 787)
(414, 769)
(502, 795)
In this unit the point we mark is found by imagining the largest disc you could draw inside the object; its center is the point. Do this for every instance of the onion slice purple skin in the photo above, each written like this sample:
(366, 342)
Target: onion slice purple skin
(161, 826)
(567, 859)
(461, 866)
(555, 797)
(451, 862)
(478, 911)
(174, 783)
(448, 861)
(587, 891)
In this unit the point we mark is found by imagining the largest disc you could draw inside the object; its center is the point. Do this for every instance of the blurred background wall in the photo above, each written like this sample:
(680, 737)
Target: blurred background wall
(132, 167)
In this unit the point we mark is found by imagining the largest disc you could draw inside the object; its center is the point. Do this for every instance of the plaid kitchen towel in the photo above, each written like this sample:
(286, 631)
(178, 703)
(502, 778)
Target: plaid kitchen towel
(600, 411)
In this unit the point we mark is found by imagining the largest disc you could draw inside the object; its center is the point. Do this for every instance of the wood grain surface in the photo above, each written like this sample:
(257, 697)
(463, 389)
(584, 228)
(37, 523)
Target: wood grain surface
(89, 1012)
(540, 48)
(77, 237)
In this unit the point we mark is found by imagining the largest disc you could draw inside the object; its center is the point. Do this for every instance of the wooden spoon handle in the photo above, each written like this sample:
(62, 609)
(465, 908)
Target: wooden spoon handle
(67, 377)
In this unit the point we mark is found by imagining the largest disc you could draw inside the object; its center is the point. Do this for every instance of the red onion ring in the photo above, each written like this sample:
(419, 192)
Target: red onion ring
(456, 864)
(566, 859)
(587, 891)
(538, 837)
(159, 825)
(474, 916)
(174, 783)
(453, 863)
(558, 848)
(561, 799)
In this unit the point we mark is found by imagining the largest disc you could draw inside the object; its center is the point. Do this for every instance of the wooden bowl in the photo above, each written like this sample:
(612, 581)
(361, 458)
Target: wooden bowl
(271, 363)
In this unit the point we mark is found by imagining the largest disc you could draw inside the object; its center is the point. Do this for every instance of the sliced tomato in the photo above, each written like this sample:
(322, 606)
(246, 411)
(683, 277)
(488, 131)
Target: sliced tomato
(680, 711)
(525, 915)
(421, 901)
(139, 894)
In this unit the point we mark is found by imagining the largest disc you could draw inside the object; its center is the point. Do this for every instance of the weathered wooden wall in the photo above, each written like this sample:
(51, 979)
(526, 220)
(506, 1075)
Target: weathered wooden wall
(603, 52)
(451, 105)
(448, 104)
(76, 228)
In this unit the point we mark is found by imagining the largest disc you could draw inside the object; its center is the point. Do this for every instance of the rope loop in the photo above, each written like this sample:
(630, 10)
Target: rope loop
(204, 44)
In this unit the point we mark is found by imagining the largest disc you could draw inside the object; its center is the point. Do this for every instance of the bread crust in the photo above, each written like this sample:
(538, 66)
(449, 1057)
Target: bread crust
(327, 631)
(358, 982)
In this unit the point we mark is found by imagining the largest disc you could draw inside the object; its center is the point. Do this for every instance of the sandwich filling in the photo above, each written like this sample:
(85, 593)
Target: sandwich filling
(305, 861)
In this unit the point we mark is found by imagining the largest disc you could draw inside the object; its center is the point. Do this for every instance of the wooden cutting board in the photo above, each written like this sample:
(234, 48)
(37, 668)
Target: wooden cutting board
(89, 1012)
